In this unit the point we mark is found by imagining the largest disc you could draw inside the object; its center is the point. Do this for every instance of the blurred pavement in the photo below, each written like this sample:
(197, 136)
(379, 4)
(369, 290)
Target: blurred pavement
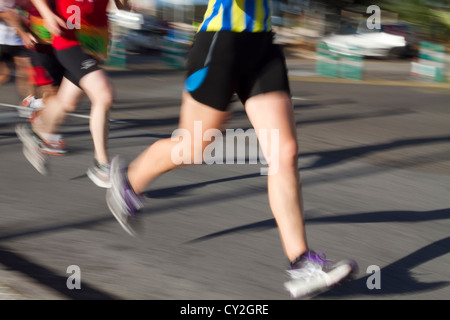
(374, 159)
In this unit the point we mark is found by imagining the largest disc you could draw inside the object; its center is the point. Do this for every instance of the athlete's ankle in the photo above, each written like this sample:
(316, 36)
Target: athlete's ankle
(128, 183)
(102, 161)
(37, 124)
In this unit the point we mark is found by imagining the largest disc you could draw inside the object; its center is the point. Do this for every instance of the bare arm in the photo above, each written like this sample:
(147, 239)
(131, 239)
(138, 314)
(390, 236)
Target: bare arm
(12, 19)
(123, 5)
(53, 22)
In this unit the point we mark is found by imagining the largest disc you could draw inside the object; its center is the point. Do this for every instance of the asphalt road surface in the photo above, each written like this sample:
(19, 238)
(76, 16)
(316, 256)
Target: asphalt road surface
(375, 165)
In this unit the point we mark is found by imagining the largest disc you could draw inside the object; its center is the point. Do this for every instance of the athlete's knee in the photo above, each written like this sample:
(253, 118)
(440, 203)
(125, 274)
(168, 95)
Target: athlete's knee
(48, 91)
(103, 100)
(282, 158)
(288, 153)
(98, 88)
(22, 62)
(106, 100)
(194, 155)
(58, 103)
(67, 106)
(188, 148)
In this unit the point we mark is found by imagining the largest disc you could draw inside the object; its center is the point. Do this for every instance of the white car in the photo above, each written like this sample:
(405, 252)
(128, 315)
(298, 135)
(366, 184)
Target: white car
(387, 42)
(141, 31)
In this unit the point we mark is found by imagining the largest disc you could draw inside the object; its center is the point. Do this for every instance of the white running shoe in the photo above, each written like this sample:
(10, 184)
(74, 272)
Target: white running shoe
(99, 174)
(32, 148)
(312, 274)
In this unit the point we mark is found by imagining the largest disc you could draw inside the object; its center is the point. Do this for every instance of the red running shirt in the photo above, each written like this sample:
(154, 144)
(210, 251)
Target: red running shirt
(87, 23)
(37, 23)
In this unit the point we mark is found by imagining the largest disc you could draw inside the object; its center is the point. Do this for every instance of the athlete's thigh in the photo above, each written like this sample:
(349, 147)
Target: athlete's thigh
(77, 63)
(98, 87)
(195, 115)
(47, 59)
(211, 69)
(46, 68)
(69, 94)
(272, 116)
(270, 75)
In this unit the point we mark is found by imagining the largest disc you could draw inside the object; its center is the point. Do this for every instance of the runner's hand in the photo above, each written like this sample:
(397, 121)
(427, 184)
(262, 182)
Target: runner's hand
(55, 24)
(29, 40)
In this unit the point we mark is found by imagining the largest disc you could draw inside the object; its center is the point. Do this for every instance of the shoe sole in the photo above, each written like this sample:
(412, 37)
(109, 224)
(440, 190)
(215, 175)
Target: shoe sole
(31, 150)
(112, 194)
(52, 153)
(109, 198)
(100, 183)
(344, 270)
(24, 112)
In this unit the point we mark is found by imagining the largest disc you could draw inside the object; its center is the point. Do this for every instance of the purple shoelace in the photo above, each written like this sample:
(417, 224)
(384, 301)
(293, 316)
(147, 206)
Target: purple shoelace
(313, 257)
(132, 200)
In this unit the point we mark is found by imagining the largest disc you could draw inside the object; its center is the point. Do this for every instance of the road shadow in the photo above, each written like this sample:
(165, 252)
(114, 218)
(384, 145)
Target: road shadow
(397, 278)
(366, 217)
(50, 279)
(385, 216)
(327, 158)
(354, 116)
(182, 190)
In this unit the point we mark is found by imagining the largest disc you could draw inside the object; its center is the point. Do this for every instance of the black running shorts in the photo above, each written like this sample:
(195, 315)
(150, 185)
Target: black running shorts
(7, 53)
(222, 63)
(46, 67)
(76, 63)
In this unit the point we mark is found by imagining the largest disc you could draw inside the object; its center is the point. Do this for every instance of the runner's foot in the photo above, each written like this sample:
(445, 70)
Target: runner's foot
(32, 148)
(312, 274)
(122, 201)
(99, 174)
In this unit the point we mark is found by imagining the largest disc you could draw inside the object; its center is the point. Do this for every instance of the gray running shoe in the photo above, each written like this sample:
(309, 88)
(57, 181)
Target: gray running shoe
(312, 274)
(55, 146)
(26, 110)
(121, 199)
(32, 148)
(99, 174)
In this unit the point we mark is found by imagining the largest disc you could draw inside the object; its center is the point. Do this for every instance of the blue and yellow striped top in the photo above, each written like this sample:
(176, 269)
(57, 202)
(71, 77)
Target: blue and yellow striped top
(237, 16)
